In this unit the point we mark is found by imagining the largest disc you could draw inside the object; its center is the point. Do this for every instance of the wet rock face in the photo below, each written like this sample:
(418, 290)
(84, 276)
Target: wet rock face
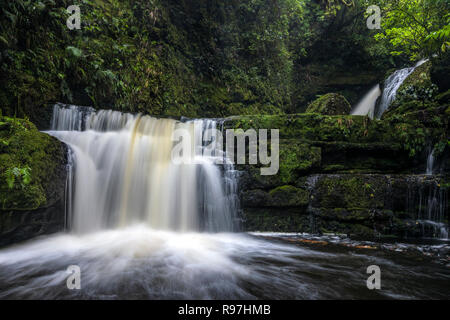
(16, 226)
(356, 176)
(361, 205)
(32, 181)
(280, 197)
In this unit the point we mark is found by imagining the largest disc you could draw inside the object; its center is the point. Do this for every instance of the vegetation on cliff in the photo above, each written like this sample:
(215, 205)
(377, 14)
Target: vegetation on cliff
(31, 164)
(190, 58)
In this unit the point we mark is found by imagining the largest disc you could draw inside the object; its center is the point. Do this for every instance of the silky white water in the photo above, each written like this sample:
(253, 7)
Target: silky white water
(430, 162)
(138, 262)
(124, 174)
(135, 218)
(392, 85)
(366, 107)
(368, 104)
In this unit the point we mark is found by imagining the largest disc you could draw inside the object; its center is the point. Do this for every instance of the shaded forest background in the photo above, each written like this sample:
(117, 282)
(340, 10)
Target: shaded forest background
(204, 58)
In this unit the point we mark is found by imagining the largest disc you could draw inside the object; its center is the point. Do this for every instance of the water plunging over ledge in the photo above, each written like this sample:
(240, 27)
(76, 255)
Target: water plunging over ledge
(368, 105)
(124, 174)
(136, 218)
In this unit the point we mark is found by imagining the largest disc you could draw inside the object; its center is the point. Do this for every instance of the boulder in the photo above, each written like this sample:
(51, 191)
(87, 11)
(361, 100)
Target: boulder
(331, 104)
(32, 181)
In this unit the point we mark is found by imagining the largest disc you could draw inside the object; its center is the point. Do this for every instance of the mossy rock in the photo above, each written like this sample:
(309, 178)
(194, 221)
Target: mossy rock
(280, 197)
(296, 159)
(420, 77)
(331, 104)
(288, 196)
(406, 133)
(350, 192)
(417, 93)
(32, 166)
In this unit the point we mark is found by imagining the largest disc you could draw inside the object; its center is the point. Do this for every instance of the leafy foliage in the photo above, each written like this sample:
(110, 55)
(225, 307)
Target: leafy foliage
(23, 175)
(416, 28)
(192, 58)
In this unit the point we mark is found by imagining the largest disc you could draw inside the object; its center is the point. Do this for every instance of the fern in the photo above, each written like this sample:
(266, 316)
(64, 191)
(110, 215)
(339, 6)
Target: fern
(20, 174)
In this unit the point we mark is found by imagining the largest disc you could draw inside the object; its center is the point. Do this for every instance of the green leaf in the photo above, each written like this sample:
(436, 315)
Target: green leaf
(73, 51)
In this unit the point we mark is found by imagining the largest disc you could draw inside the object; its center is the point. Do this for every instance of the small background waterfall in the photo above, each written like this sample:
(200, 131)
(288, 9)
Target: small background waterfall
(368, 104)
(366, 107)
(427, 202)
(123, 174)
(392, 85)
(430, 162)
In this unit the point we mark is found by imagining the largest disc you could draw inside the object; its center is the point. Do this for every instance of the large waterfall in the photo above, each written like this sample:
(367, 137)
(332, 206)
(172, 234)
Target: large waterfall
(124, 174)
(135, 216)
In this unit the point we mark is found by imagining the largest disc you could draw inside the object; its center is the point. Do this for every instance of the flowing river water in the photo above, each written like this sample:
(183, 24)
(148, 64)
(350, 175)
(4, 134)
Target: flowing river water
(142, 227)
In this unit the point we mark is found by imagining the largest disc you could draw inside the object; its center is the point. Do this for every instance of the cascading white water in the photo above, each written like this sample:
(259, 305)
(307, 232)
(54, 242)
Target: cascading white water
(121, 175)
(392, 85)
(428, 202)
(124, 174)
(430, 162)
(368, 104)
(366, 107)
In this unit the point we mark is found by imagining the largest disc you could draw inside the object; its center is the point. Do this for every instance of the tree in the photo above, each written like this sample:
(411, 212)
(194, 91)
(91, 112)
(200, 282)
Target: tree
(415, 28)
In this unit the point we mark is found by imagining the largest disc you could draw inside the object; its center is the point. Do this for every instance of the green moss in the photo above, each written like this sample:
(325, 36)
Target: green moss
(289, 196)
(296, 159)
(330, 104)
(25, 147)
(408, 133)
(361, 231)
(420, 77)
(350, 192)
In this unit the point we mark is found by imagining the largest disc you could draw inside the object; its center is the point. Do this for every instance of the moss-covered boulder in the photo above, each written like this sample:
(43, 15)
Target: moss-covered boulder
(289, 196)
(30, 165)
(32, 180)
(331, 104)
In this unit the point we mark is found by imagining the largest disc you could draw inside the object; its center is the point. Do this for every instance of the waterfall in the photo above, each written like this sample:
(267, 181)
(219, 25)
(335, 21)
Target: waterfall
(366, 107)
(391, 86)
(368, 104)
(68, 214)
(430, 162)
(123, 173)
(427, 203)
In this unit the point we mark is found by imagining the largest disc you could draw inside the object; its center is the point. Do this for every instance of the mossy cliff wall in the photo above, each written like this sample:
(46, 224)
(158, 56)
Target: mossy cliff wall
(32, 181)
(346, 174)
